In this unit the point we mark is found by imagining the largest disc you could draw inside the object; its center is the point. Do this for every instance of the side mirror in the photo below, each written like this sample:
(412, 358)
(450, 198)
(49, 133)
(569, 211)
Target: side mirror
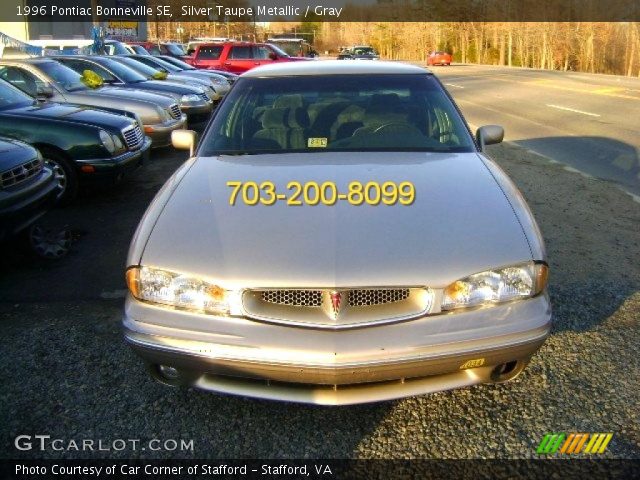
(184, 140)
(44, 92)
(273, 56)
(489, 135)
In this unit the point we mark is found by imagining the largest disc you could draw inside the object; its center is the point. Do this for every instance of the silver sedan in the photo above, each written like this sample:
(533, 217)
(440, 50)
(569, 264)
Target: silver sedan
(339, 236)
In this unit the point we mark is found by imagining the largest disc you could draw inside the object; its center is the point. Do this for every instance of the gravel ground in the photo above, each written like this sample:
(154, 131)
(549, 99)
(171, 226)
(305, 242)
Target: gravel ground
(66, 372)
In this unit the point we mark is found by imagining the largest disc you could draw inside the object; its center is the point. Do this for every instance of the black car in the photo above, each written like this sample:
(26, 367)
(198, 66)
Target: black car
(80, 144)
(27, 187)
(361, 52)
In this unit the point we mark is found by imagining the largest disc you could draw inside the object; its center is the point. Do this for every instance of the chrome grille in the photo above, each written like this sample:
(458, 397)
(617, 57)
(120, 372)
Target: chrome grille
(372, 297)
(174, 109)
(20, 173)
(294, 298)
(133, 137)
(336, 308)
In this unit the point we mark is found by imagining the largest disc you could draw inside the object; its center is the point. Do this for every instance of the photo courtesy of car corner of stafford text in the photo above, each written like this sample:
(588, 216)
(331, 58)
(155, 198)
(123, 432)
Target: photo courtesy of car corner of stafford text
(327, 239)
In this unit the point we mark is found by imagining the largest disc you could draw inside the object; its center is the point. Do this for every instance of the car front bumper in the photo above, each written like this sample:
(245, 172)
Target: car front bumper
(23, 205)
(160, 134)
(385, 362)
(110, 170)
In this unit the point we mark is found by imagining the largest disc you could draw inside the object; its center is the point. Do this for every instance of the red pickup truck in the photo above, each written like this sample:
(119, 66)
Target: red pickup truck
(237, 57)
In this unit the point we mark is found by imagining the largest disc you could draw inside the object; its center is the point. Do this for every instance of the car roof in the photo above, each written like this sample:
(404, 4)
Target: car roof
(234, 43)
(33, 61)
(334, 67)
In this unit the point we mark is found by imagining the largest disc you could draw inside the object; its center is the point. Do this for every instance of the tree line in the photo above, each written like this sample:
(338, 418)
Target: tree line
(594, 47)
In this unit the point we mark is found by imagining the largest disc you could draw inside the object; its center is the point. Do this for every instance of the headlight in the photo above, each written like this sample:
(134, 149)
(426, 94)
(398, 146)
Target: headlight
(496, 286)
(117, 142)
(107, 141)
(190, 98)
(179, 291)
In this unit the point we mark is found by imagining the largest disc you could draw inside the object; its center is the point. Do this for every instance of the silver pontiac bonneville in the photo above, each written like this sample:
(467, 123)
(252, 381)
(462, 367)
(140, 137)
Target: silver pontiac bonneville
(337, 237)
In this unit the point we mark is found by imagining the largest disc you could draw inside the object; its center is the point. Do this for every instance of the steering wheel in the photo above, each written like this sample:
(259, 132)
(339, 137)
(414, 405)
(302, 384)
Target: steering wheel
(397, 127)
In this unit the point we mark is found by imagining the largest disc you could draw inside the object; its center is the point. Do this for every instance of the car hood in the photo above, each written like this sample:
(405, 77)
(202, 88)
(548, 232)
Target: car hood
(460, 223)
(73, 113)
(127, 94)
(13, 153)
(166, 87)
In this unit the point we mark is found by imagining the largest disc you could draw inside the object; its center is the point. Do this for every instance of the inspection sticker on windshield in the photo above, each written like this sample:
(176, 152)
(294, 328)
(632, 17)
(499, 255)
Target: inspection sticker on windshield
(317, 142)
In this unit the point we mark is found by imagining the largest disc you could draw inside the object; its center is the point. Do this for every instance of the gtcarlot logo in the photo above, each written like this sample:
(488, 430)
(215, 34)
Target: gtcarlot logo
(47, 443)
(574, 443)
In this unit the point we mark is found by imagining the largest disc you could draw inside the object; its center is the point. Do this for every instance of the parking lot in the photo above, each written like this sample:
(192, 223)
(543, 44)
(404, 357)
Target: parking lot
(67, 372)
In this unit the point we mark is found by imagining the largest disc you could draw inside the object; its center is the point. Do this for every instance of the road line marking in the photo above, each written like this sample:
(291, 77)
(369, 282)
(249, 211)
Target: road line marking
(454, 85)
(573, 110)
(636, 198)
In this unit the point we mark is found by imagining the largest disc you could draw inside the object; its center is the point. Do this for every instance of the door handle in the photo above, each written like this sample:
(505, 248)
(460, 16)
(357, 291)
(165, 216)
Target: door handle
(256, 63)
(227, 63)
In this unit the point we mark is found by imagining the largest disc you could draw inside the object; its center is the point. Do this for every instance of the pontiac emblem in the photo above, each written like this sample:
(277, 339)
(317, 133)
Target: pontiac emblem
(336, 300)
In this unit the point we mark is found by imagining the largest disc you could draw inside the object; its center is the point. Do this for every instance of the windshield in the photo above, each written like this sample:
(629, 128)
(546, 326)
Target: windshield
(279, 51)
(115, 48)
(65, 77)
(291, 48)
(139, 49)
(174, 49)
(139, 67)
(12, 97)
(178, 63)
(158, 63)
(125, 73)
(337, 113)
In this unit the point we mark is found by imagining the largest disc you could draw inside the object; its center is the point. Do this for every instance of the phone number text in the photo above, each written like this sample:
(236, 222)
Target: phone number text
(326, 193)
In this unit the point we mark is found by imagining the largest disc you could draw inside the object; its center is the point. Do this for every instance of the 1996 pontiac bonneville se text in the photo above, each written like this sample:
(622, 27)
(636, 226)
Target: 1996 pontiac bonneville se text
(337, 302)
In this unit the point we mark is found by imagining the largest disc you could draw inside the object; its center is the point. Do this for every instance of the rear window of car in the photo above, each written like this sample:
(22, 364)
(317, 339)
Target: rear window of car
(337, 113)
(209, 53)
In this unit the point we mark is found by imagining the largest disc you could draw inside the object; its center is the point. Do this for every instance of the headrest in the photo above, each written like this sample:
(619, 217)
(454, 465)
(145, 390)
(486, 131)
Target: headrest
(275, 118)
(353, 113)
(258, 112)
(298, 118)
(290, 101)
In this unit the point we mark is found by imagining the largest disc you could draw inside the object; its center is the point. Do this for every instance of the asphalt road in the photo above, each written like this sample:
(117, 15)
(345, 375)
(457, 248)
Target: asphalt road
(67, 373)
(585, 121)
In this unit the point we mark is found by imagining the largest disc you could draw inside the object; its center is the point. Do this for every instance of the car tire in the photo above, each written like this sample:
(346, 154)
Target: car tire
(48, 243)
(65, 175)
